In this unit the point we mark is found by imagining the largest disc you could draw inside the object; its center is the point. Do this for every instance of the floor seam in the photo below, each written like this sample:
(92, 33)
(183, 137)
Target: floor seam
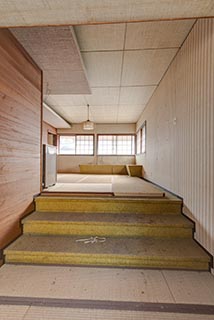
(26, 312)
(168, 286)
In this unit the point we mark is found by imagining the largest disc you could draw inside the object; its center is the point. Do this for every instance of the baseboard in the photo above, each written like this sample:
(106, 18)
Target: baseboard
(158, 185)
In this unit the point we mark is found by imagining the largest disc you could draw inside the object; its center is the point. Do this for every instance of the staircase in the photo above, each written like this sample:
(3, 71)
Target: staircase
(108, 231)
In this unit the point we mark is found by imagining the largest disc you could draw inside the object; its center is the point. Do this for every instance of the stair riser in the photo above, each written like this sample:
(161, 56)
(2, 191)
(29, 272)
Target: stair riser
(99, 260)
(112, 206)
(106, 230)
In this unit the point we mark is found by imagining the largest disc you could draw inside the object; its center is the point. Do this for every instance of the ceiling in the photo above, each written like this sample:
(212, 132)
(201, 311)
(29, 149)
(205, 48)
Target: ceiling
(56, 52)
(120, 64)
(62, 12)
(114, 68)
(124, 64)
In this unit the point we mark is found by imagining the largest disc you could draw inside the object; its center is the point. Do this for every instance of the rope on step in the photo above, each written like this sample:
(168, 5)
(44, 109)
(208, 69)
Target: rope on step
(92, 240)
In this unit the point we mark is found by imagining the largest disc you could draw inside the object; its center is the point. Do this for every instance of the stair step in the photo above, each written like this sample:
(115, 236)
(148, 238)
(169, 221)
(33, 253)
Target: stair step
(108, 224)
(122, 252)
(109, 204)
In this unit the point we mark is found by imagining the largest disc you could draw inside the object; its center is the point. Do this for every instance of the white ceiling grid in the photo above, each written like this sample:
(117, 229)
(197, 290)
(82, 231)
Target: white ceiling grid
(124, 64)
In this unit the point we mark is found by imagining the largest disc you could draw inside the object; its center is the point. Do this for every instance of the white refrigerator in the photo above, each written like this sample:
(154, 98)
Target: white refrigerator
(49, 165)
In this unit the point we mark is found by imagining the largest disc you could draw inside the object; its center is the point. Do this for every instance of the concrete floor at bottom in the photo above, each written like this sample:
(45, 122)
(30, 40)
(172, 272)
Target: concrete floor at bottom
(107, 284)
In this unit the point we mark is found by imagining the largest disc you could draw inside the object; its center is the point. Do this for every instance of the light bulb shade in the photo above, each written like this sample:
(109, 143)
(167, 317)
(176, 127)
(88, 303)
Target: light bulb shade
(88, 125)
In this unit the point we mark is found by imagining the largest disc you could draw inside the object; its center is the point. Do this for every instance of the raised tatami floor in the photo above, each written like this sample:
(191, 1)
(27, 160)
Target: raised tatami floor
(118, 185)
(44, 292)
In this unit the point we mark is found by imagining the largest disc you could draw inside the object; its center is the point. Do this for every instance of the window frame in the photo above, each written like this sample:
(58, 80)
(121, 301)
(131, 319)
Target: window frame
(117, 134)
(143, 127)
(75, 135)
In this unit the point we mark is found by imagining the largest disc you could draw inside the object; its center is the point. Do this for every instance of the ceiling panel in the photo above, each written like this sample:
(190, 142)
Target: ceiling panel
(66, 100)
(72, 114)
(104, 114)
(146, 67)
(103, 96)
(56, 52)
(136, 95)
(100, 37)
(159, 34)
(54, 84)
(49, 12)
(103, 68)
(100, 114)
(99, 97)
(130, 113)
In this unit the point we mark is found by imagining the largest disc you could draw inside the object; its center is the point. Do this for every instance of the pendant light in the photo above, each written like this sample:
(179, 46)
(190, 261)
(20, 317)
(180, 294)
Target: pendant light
(88, 125)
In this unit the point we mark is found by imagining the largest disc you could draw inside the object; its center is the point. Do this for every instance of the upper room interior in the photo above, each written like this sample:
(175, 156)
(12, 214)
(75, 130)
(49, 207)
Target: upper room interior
(111, 56)
(115, 67)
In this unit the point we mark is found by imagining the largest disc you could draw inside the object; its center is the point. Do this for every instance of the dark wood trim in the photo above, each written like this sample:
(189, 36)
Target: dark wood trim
(175, 308)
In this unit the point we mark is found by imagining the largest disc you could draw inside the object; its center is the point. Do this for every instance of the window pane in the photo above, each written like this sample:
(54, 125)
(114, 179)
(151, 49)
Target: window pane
(77, 144)
(85, 144)
(67, 145)
(107, 145)
(116, 144)
(125, 145)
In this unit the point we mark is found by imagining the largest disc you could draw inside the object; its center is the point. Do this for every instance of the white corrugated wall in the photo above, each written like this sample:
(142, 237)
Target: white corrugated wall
(180, 130)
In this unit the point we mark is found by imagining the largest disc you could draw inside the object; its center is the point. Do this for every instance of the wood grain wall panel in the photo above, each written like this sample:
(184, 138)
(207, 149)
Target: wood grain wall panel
(20, 135)
(47, 128)
(180, 130)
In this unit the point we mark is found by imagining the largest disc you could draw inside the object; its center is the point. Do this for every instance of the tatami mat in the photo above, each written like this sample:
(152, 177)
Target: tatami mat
(84, 178)
(118, 184)
(134, 186)
(81, 187)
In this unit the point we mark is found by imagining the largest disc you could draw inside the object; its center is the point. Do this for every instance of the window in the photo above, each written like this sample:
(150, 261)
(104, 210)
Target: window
(85, 144)
(138, 141)
(76, 144)
(141, 139)
(116, 144)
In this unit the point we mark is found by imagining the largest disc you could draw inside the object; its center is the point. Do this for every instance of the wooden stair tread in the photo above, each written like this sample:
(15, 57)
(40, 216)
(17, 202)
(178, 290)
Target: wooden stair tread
(108, 218)
(108, 205)
(151, 248)
(167, 199)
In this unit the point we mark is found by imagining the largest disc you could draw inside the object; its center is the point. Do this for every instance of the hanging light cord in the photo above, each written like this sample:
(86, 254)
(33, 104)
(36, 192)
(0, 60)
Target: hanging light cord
(88, 111)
